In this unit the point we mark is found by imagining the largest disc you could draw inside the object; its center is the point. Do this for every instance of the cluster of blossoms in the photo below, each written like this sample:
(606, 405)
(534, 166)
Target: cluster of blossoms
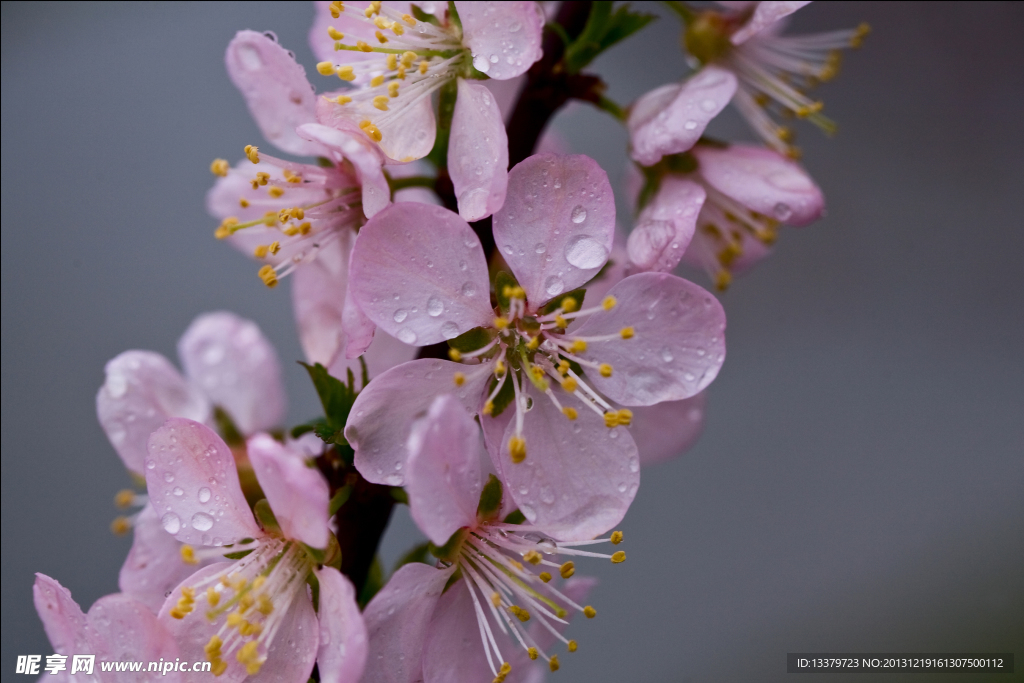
(516, 372)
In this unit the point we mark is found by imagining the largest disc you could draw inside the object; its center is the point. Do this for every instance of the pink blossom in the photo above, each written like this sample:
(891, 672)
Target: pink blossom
(561, 444)
(117, 628)
(503, 610)
(252, 616)
(397, 63)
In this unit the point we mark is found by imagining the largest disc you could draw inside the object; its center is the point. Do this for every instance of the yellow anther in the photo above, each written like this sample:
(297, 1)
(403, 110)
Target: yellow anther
(212, 648)
(275, 191)
(377, 80)
(373, 8)
(371, 130)
(496, 599)
(219, 167)
(488, 407)
(337, 7)
(563, 367)
(253, 668)
(262, 178)
(859, 35)
(393, 89)
(260, 251)
(188, 554)
(605, 369)
(567, 569)
(424, 65)
(304, 228)
(532, 556)
(400, 75)
(561, 322)
(218, 666)
(590, 612)
(392, 62)
(124, 498)
(499, 368)
(258, 582)
(618, 557)
(616, 537)
(225, 229)
(252, 153)
(517, 565)
(532, 652)
(569, 384)
(570, 412)
(459, 378)
(120, 526)
(625, 417)
(537, 372)
(297, 213)
(290, 231)
(243, 202)
(517, 449)
(627, 332)
(268, 275)
(569, 304)
(325, 68)
(335, 34)
(455, 355)
(609, 303)
(245, 602)
(503, 672)
(722, 280)
(212, 596)
(234, 620)
(248, 652)
(346, 73)
(188, 593)
(264, 605)
(534, 343)
(578, 346)
(520, 613)
(407, 18)
(381, 37)
(544, 576)
(363, 47)
(611, 419)
(572, 646)
(501, 322)
(408, 58)
(553, 663)
(397, 28)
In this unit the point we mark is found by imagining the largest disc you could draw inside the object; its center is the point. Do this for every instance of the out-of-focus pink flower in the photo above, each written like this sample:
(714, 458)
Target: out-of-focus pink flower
(502, 611)
(252, 617)
(117, 628)
(421, 277)
(397, 62)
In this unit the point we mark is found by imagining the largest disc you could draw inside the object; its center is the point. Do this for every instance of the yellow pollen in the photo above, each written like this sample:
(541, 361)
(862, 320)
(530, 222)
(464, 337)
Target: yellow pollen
(544, 576)
(532, 556)
(188, 554)
(371, 130)
(408, 58)
(590, 612)
(567, 569)
(363, 47)
(397, 28)
(611, 419)
(346, 73)
(243, 202)
(532, 653)
(501, 322)
(495, 599)
(120, 526)
(572, 646)
(392, 62)
(625, 417)
(537, 372)
(374, 8)
(488, 407)
(381, 37)
(569, 384)
(342, 99)
(252, 153)
(393, 89)
(248, 654)
(408, 19)
(503, 673)
(517, 565)
(335, 34)
(275, 191)
(618, 557)
(570, 412)
(337, 8)
(219, 167)
(499, 368)
(616, 537)
(325, 68)
(290, 231)
(260, 251)
(262, 178)
(553, 663)
(578, 346)
(561, 322)
(534, 343)
(258, 582)
(517, 449)
(608, 303)
(563, 367)
(304, 228)
(858, 38)
(235, 620)
(605, 369)
(264, 605)
(455, 355)
(460, 379)
(382, 22)
(377, 81)
(722, 280)
(627, 332)
(401, 72)
(212, 596)
(424, 65)
(245, 602)
(268, 275)
(569, 304)
(520, 613)
(212, 648)
(124, 498)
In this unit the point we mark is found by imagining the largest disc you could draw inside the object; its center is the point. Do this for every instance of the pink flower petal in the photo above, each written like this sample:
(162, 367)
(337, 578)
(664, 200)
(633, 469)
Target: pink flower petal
(366, 158)
(407, 130)
(419, 273)
(62, 618)
(154, 565)
(193, 483)
(665, 226)
(504, 37)
(291, 656)
(318, 297)
(579, 477)
(298, 495)
(275, 87)
(671, 119)
(382, 416)
(359, 329)
(478, 152)
(354, 29)
(443, 470)
(383, 354)
(557, 225)
(343, 641)
(763, 181)
(141, 390)
(765, 14)
(667, 429)
(678, 344)
(397, 619)
(236, 366)
(123, 630)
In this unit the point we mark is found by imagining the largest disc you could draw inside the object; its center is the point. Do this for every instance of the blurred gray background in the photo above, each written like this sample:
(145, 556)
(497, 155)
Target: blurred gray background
(860, 483)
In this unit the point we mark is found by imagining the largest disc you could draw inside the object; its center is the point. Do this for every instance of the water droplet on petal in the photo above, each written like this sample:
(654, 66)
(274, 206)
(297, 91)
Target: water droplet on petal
(782, 211)
(117, 385)
(178, 491)
(690, 125)
(666, 355)
(434, 307)
(406, 336)
(171, 523)
(585, 252)
(401, 314)
(450, 330)
(554, 285)
(202, 521)
(204, 495)
(468, 289)
(708, 104)
(578, 215)
(481, 64)
(168, 477)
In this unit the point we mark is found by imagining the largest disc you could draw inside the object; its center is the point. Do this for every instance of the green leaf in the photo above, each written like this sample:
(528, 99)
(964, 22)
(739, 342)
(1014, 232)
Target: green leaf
(400, 496)
(265, 516)
(419, 553)
(473, 339)
(515, 517)
(337, 398)
(450, 550)
(604, 28)
(374, 582)
(505, 396)
(226, 427)
(339, 498)
(490, 500)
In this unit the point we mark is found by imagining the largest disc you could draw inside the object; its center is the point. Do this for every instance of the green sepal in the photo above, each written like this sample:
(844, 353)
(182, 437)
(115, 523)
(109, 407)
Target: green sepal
(324, 162)
(226, 427)
(239, 554)
(505, 396)
(503, 279)
(603, 29)
(449, 552)
(419, 553)
(490, 500)
(265, 516)
(447, 95)
(399, 494)
(329, 556)
(555, 303)
(337, 398)
(453, 17)
(515, 517)
(374, 582)
(420, 15)
(473, 339)
(339, 498)
(314, 589)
